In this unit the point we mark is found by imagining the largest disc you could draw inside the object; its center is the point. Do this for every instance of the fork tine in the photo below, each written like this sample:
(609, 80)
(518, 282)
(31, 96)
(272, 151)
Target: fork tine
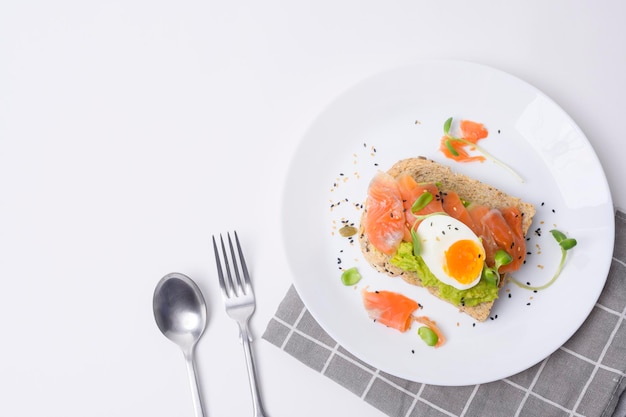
(244, 268)
(238, 283)
(230, 282)
(220, 272)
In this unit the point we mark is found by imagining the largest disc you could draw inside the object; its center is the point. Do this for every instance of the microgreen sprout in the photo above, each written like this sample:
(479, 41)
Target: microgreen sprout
(450, 139)
(491, 275)
(566, 244)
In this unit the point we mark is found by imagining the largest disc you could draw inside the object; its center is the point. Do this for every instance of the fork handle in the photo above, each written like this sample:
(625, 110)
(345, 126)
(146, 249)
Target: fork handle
(257, 404)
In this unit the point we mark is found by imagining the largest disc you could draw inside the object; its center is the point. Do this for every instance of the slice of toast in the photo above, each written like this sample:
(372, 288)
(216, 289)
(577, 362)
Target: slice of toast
(425, 170)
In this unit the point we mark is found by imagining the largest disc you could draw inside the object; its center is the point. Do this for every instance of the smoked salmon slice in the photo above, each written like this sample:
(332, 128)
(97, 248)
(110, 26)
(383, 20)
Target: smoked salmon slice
(453, 205)
(389, 308)
(477, 212)
(473, 131)
(384, 220)
(411, 190)
(514, 218)
(500, 231)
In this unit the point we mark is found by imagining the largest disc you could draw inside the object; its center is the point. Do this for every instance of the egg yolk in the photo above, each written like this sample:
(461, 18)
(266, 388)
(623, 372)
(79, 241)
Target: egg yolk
(464, 261)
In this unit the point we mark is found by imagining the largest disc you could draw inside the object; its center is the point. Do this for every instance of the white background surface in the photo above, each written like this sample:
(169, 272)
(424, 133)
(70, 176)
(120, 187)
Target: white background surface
(130, 131)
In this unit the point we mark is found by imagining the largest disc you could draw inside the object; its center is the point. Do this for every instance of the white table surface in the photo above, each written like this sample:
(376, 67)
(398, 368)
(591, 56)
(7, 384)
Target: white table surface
(130, 131)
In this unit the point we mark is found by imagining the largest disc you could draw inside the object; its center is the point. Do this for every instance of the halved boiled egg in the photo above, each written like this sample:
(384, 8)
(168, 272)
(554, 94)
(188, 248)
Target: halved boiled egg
(451, 250)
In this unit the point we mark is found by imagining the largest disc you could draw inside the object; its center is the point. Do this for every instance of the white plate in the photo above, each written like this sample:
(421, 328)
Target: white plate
(400, 114)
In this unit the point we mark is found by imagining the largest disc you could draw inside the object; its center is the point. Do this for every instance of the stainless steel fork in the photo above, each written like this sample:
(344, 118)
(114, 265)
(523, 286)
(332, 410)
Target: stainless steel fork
(239, 300)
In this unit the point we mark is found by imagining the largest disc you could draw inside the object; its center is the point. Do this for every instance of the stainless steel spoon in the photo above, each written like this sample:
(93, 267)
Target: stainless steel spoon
(180, 312)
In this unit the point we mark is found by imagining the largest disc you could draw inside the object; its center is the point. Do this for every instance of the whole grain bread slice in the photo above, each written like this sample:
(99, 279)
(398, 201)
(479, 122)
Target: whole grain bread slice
(469, 189)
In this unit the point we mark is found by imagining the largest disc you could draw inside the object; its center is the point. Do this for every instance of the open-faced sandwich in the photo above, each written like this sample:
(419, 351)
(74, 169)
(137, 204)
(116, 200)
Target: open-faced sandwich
(449, 233)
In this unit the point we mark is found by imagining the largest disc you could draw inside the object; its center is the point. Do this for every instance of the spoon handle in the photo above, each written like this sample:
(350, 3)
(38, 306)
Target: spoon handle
(193, 381)
(257, 404)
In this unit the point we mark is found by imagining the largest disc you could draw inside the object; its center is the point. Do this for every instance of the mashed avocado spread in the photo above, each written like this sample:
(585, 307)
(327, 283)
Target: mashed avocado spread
(480, 293)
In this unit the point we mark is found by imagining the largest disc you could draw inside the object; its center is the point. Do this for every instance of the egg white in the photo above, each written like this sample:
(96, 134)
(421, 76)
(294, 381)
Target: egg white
(436, 234)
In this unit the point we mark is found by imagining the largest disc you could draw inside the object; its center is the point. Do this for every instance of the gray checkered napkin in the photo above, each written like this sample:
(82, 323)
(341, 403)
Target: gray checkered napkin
(585, 377)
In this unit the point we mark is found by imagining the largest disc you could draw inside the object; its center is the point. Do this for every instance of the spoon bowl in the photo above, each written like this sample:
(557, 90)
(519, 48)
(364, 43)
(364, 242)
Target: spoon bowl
(180, 313)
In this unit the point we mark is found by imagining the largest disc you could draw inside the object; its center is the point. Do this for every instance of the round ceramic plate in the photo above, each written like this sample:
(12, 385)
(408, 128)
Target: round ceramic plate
(400, 114)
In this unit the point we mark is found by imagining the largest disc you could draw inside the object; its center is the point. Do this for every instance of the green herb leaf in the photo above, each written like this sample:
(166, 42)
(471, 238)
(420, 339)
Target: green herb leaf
(417, 248)
(422, 201)
(568, 244)
(451, 148)
(502, 257)
(428, 335)
(565, 242)
(491, 276)
(446, 126)
(350, 276)
(558, 235)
